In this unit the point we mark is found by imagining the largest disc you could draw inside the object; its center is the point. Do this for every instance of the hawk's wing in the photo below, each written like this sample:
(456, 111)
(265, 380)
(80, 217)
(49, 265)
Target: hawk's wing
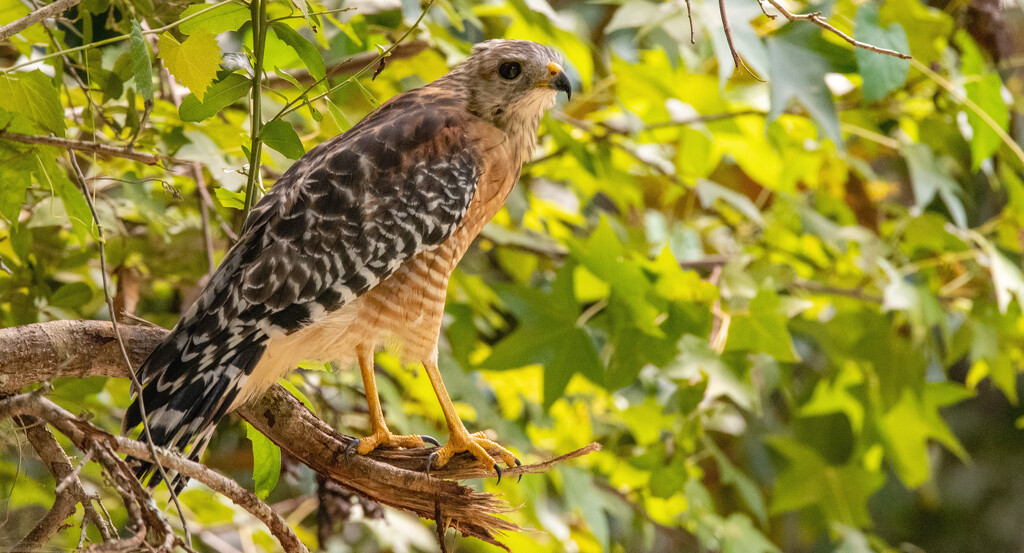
(339, 221)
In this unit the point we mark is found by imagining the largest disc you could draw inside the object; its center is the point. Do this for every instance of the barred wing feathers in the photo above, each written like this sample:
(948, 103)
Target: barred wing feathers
(339, 221)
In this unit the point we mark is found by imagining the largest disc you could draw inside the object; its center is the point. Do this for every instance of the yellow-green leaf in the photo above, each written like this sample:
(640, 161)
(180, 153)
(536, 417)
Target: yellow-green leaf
(193, 62)
(34, 96)
(226, 17)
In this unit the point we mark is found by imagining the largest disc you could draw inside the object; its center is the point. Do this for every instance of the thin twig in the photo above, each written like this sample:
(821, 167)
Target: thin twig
(18, 25)
(689, 16)
(224, 226)
(90, 147)
(352, 64)
(760, 4)
(311, 14)
(72, 476)
(60, 468)
(816, 18)
(728, 38)
(80, 177)
(720, 318)
(824, 289)
(64, 502)
(204, 213)
(136, 500)
(710, 118)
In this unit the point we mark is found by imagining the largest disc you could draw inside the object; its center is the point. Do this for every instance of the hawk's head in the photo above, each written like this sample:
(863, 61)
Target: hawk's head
(511, 82)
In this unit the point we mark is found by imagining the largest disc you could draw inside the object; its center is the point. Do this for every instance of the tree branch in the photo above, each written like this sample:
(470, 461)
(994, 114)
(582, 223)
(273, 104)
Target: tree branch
(353, 64)
(84, 435)
(43, 351)
(51, 10)
(69, 488)
(90, 147)
(818, 20)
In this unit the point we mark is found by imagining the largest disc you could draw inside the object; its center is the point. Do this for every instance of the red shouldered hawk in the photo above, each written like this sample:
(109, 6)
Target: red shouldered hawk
(353, 246)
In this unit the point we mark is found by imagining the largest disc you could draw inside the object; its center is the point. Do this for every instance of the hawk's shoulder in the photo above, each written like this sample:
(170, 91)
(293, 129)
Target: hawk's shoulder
(347, 214)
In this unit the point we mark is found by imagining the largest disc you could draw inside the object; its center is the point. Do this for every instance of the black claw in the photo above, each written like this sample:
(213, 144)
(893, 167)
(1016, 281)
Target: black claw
(430, 439)
(350, 448)
(430, 462)
(497, 469)
(519, 464)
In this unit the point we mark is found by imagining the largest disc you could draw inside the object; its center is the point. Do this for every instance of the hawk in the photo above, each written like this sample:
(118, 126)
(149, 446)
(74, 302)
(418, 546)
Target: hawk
(352, 248)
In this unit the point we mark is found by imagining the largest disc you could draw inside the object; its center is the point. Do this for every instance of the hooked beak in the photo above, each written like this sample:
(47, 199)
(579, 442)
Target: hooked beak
(558, 80)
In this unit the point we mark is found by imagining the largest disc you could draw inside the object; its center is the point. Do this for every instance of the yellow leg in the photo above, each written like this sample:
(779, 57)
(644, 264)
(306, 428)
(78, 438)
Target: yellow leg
(459, 438)
(380, 435)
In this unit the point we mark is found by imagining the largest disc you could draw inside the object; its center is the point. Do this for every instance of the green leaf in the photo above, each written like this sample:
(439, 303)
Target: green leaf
(746, 487)
(986, 93)
(71, 296)
(142, 64)
(906, 435)
(929, 179)
(280, 136)
(52, 176)
(284, 75)
(799, 74)
(266, 461)
(194, 62)
(227, 198)
(581, 493)
(574, 352)
(841, 492)
(226, 17)
(763, 329)
(547, 335)
(697, 362)
(17, 177)
(33, 95)
(709, 192)
(607, 258)
(304, 48)
(738, 535)
(837, 396)
(882, 73)
(1007, 278)
(219, 96)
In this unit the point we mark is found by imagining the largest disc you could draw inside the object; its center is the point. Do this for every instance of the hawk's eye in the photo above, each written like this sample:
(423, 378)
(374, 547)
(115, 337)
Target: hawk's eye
(510, 69)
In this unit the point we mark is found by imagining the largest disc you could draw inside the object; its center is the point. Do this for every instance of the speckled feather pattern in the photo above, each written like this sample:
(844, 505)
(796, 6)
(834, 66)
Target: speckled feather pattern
(353, 246)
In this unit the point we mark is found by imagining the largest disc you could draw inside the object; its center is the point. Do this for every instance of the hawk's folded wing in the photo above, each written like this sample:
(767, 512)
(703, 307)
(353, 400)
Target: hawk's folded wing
(340, 220)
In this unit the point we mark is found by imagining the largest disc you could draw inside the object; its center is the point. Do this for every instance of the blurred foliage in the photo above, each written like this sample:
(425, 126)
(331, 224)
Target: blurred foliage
(788, 306)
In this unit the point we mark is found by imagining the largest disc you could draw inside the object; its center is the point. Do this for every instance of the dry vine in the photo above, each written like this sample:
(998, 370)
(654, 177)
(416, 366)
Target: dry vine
(37, 353)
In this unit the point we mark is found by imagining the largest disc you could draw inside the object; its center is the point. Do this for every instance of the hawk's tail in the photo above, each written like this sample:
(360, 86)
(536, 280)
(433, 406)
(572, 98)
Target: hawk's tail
(187, 389)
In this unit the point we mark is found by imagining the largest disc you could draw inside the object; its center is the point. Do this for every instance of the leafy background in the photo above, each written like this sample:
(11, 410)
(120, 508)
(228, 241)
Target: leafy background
(788, 306)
